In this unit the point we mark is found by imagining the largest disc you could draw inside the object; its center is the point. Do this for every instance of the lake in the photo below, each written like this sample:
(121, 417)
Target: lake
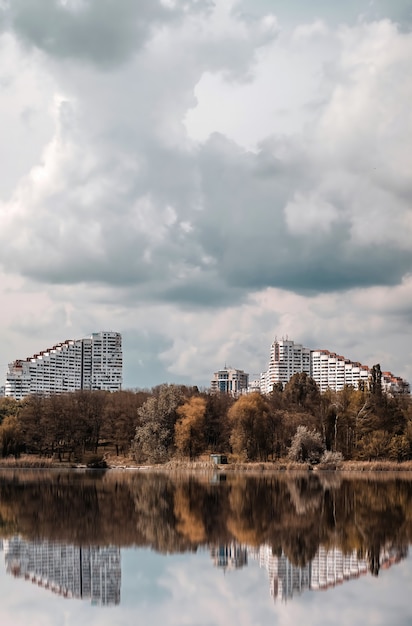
(134, 547)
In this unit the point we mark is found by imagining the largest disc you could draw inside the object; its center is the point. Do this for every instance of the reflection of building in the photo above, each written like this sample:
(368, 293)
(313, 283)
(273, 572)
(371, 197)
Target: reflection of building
(92, 363)
(90, 572)
(229, 556)
(285, 579)
(331, 567)
(230, 381)
(328, 568)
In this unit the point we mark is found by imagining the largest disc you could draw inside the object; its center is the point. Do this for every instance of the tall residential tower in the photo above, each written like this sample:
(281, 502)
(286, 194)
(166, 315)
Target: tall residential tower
(93, 363)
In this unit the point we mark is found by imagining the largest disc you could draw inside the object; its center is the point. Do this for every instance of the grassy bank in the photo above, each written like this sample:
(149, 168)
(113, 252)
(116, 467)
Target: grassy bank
(119, 462)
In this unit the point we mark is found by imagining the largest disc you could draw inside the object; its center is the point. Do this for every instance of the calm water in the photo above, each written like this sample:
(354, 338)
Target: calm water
(123, 548)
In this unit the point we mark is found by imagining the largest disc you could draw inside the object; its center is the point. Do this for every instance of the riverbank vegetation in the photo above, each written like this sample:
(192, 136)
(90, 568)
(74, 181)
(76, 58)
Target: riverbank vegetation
(172, 423)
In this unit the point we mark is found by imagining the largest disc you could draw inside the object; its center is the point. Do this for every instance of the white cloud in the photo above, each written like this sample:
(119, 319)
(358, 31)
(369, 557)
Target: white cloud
(218, 179)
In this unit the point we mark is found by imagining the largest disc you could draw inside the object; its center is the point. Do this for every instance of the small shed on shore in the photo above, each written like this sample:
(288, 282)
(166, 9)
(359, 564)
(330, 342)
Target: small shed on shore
(219, 459)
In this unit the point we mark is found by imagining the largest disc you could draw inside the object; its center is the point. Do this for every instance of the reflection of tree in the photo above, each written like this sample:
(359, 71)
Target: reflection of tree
(293, 515)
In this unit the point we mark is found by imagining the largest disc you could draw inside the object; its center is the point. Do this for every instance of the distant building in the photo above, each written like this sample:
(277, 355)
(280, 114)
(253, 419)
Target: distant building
(92, 363)
(231, 381)
(328, 369)
(286, 359)
(332, 371)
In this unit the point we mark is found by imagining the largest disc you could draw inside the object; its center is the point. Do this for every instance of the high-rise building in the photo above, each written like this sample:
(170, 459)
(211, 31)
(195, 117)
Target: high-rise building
(328, 369)
(286, 359)
(229, 380)
(92, 363)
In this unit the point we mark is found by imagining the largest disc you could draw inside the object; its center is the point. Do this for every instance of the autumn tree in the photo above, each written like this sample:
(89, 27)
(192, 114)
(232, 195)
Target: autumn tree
(8, 406)
(217, 431)
(251, 427)
(154, 438)
(120, 418)
(189, 428)
(11, 436)
(32, 425)
(302, 391)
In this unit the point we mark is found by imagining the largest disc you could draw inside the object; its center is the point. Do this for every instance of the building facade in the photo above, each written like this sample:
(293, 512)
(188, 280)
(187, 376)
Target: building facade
(286, 359)
(328, 369)
(229, 380)
(93, 363)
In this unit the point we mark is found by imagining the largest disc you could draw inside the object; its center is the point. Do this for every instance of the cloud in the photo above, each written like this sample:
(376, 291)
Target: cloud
(104, 33)
(178, 163)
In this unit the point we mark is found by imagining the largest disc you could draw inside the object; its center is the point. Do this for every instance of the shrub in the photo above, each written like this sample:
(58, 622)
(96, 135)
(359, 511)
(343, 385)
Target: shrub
(306, 446)
(331, 460)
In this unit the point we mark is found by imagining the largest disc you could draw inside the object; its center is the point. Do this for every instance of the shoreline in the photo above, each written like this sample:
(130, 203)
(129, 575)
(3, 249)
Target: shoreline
(281, 465)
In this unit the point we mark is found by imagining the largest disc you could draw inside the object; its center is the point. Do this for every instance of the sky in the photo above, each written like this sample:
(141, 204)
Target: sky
(204, 177)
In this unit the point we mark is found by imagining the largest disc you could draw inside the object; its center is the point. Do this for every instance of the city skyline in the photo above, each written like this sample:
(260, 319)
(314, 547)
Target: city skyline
(78, 364)
(203, 176)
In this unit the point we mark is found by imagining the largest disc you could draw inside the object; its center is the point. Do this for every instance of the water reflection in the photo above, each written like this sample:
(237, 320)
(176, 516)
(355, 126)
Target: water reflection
(88, 572)
(329, 567)
(64, 530)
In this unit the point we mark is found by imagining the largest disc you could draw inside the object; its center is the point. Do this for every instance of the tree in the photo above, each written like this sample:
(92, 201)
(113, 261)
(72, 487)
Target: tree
(120, 418)
(11, 436)
(154, 438)
(8, 406)
(217, 430)
(189, 429)
(375, 383)
(306, 446)
(251, 428)
(301, 390)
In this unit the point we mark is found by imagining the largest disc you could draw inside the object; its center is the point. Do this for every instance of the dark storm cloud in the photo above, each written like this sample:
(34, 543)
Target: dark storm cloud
(105, 32)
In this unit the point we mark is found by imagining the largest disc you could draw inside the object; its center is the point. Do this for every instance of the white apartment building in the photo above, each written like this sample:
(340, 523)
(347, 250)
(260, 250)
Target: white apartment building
(92, 363)
(286, 359)
(229, 380)
(332, 371)
(328, 369)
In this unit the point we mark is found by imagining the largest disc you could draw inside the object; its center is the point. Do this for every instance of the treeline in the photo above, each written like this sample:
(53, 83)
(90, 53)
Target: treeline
(67, 426)
(176, 421)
